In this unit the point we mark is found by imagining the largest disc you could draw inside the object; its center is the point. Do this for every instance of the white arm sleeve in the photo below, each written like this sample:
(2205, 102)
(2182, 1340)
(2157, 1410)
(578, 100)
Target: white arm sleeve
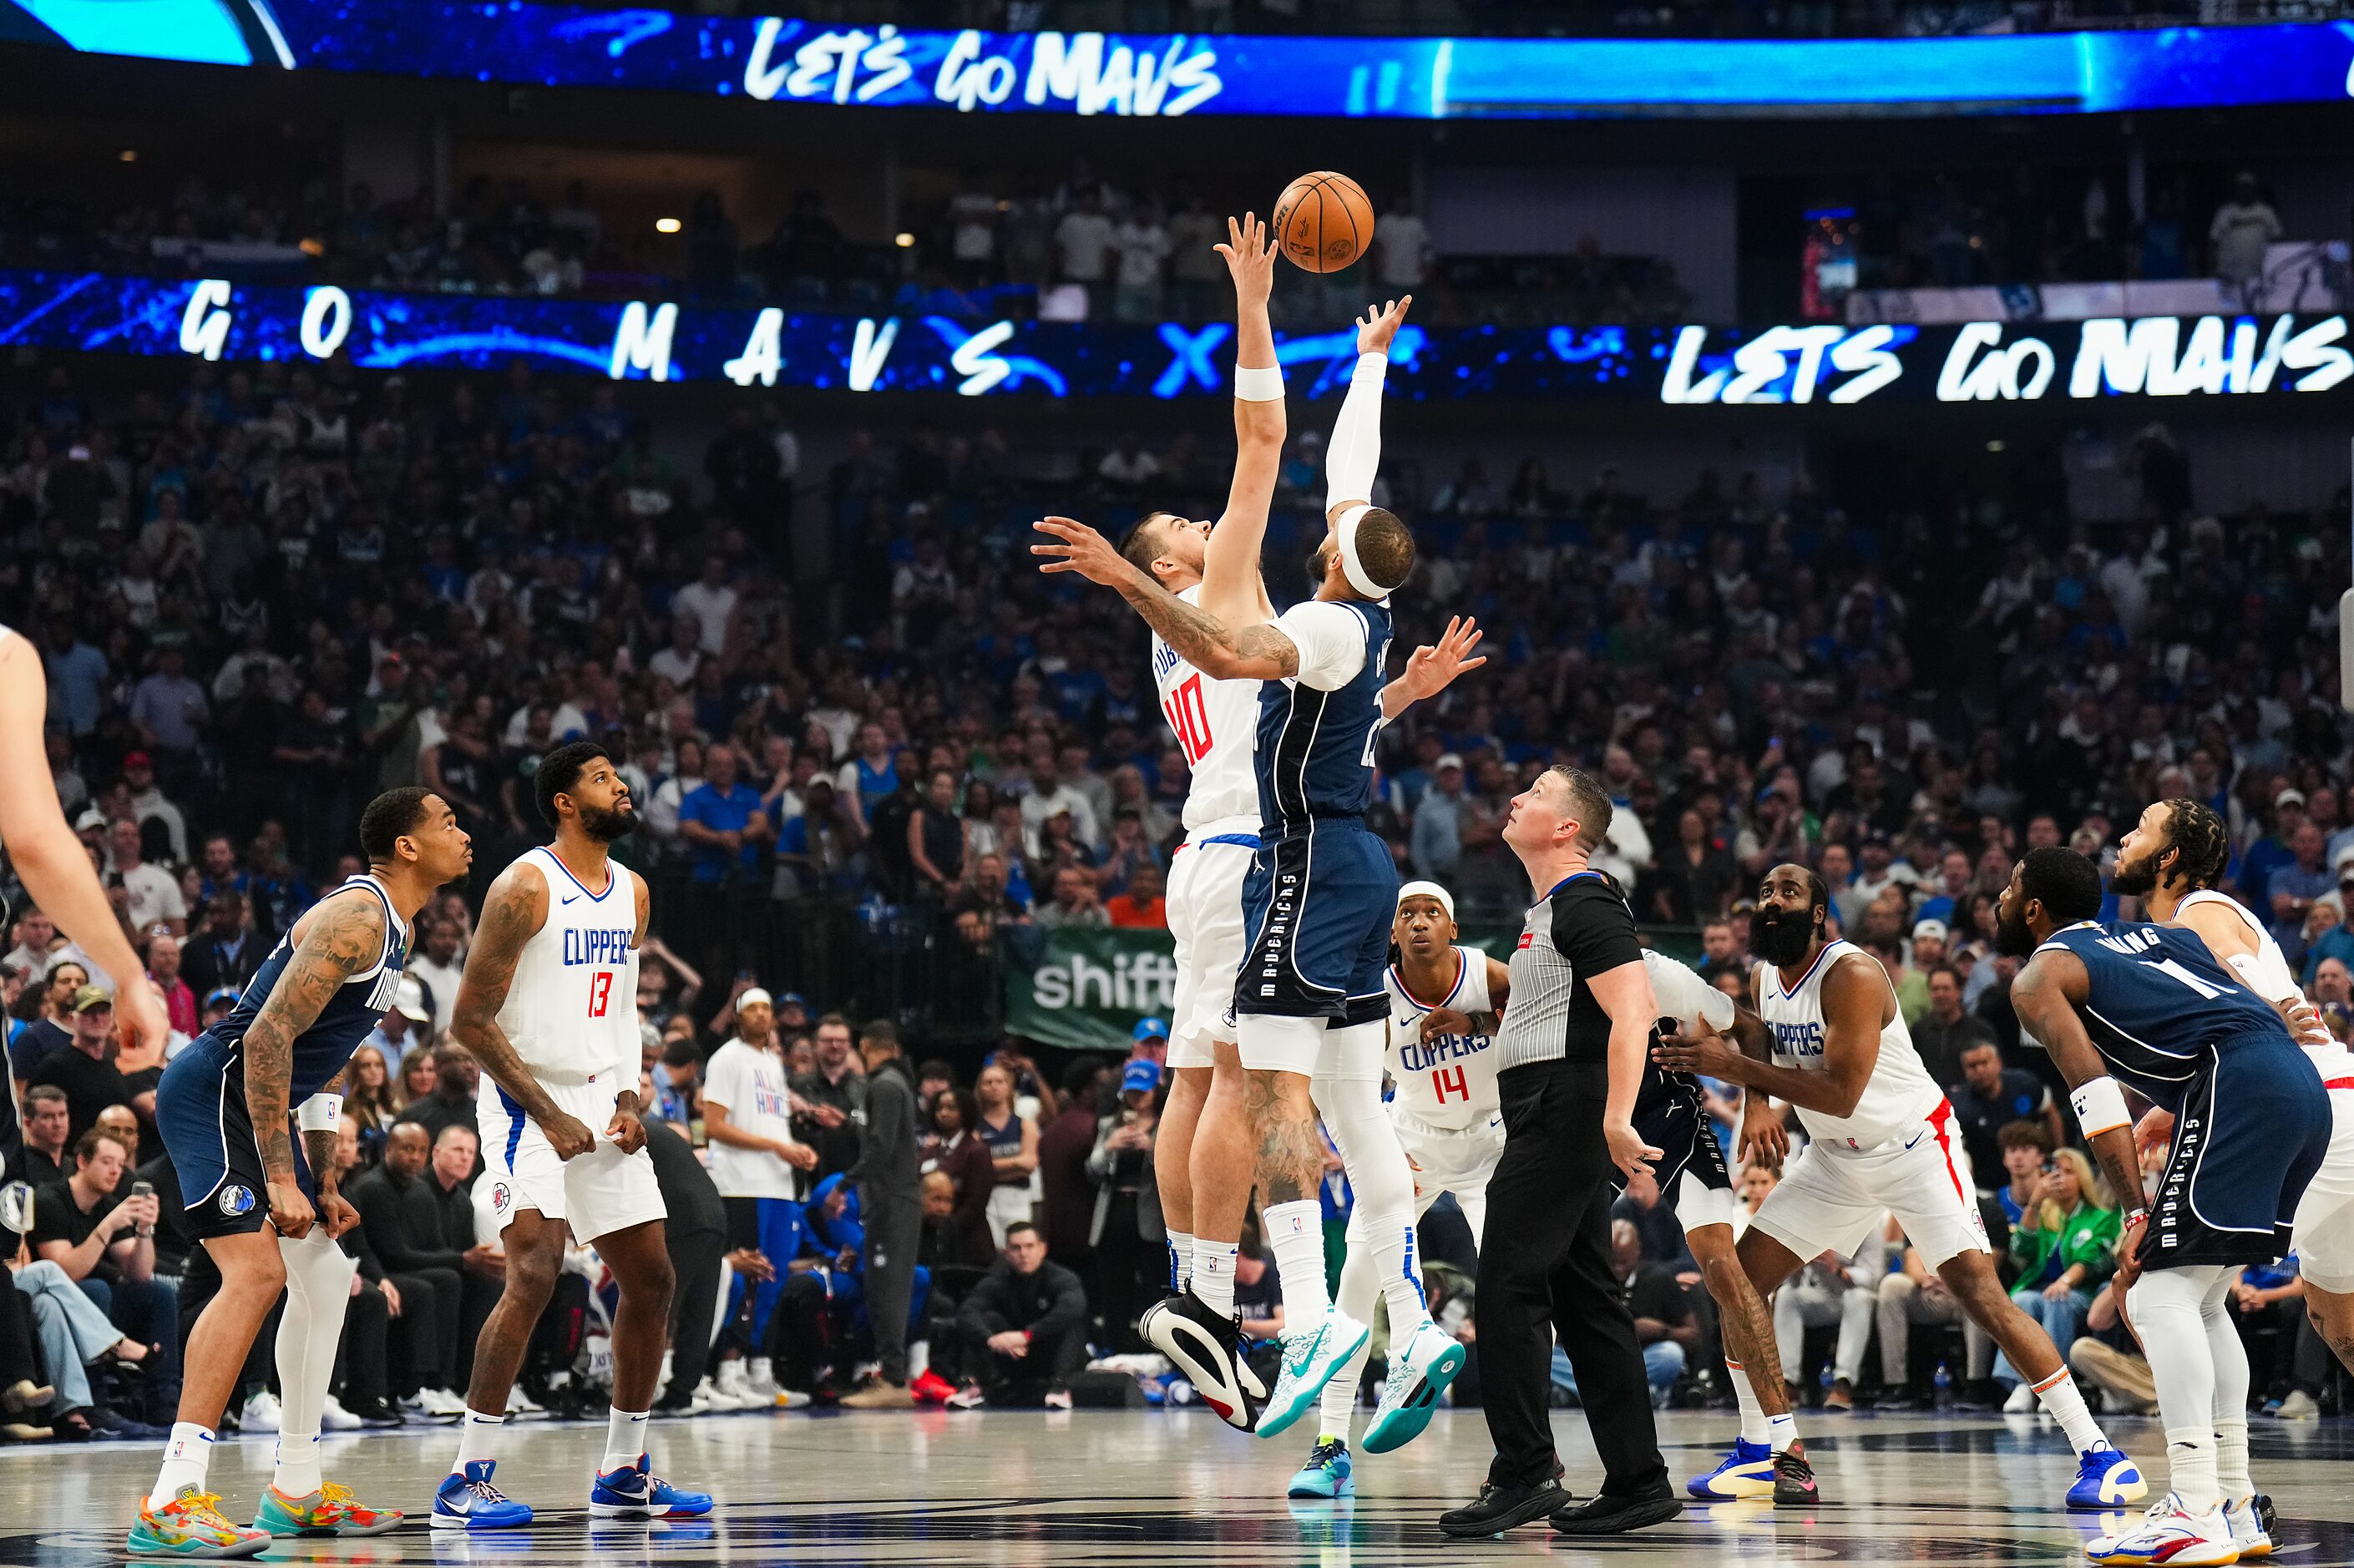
(1331, 638)
(1354, 456)
(1683, 995)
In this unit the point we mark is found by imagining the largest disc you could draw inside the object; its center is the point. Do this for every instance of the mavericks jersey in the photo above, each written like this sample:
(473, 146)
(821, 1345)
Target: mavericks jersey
(571, 1010)
(351, 1015)
(2159, 1006)
(1900, 1094)
(1213, 720)
(1448, 1080)
(1315, 753)
(2271, 976)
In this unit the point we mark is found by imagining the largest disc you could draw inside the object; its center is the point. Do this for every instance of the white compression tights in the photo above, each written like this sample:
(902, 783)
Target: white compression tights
(2200, 1369)
(318, 1286)
(1383, 1261)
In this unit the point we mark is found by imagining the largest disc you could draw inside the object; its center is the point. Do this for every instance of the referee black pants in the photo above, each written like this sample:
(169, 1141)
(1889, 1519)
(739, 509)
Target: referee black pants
(1544, 1269)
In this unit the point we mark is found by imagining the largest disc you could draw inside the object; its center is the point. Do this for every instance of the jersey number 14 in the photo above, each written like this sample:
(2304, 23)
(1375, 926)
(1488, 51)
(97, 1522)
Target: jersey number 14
(1446, 1081)
(1189, 719)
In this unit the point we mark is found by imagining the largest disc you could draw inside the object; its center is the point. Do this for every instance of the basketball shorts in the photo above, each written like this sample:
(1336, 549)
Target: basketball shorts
(200, 1114)
(596, 1194)
(2249, 1137)
(1205, 915)
(1317, 908)
(2324, 1230)
(1833, 1199)
(1671, 1116)
(1449, 1159)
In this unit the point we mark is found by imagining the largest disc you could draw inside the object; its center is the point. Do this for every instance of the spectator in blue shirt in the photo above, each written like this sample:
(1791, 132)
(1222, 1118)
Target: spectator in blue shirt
(723, 820)
(77, 677)
(2295, 887)
(2272, 852)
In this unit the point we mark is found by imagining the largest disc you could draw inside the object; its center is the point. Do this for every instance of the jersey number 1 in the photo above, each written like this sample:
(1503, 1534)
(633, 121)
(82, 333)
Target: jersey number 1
(1189, 719)
(600, 992)
(1444, 1081)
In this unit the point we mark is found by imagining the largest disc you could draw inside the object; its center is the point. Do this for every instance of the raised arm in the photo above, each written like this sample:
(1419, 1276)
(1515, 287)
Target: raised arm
(1432, 667)
(1256, 651)
(337, 939)
(2045, 996)
(1354, 459)
(512, 915)
(1232, 585)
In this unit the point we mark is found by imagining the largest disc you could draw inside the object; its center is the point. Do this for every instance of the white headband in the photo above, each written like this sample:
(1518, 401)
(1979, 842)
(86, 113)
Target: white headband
(1345, 532)
(1429, 890)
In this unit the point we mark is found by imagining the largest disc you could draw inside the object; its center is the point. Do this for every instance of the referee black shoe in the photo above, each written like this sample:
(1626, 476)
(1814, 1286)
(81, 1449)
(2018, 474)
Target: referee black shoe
(1607, 1515)
(1207, 1352)
(1500, 1507)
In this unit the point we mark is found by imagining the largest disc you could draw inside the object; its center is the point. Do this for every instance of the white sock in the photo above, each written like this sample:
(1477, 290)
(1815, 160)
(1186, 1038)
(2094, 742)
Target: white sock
(185, 1458)
(1214, 1275)
(1753, 1414)
(625, 1438)
(477, 1435)
(2231, 1458)
(1181, 1260)
(1781, 1432)
(2064, 1402)
(1295, 1231)
(297, 1474)
(2190, 1468)
(919, 1359)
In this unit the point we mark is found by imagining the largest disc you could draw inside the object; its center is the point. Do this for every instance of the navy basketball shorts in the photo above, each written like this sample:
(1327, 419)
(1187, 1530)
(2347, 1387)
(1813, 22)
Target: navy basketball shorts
(1317, 908)
(200, 1112)
(2253, 1128)
(1671, 1116)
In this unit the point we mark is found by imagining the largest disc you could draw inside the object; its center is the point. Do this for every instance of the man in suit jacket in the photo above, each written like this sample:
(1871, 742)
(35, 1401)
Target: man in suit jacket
(227, 952)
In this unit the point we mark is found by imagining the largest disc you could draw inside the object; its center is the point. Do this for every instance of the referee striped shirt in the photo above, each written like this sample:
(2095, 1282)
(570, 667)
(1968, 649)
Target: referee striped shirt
(1581, 928)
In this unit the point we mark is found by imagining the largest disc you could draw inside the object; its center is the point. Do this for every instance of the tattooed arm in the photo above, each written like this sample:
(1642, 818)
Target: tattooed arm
(319, 1149)
(1255, 652)
(337, 939)
(512, 915)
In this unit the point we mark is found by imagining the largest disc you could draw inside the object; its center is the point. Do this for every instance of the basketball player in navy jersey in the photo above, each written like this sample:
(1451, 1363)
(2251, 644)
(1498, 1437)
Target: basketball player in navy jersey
(2150, 1008)
(268, 1214)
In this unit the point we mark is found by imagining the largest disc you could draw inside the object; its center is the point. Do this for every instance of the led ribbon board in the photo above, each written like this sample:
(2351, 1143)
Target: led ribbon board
(1834, 366)
(780, 60)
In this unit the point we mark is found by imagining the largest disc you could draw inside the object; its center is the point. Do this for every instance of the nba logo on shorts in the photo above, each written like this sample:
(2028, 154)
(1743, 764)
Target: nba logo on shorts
(500, 1196)
(235, 1200)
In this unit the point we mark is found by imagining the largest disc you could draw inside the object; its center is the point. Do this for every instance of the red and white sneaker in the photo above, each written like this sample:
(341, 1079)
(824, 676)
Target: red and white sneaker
(2171, 1535)
(932, 1389)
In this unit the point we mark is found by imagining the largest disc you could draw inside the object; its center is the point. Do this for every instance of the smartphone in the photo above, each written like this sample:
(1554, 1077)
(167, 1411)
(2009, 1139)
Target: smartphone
(143, 1190)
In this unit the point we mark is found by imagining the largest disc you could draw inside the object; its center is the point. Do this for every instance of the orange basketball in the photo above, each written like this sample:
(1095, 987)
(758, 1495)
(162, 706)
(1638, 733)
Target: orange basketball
(1323, 222)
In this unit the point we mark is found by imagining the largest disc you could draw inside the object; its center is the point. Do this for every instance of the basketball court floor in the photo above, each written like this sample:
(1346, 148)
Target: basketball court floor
(1083, 1488)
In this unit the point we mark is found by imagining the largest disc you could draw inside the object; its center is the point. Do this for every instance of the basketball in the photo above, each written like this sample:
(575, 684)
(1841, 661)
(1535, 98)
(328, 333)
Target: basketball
(1323, 222)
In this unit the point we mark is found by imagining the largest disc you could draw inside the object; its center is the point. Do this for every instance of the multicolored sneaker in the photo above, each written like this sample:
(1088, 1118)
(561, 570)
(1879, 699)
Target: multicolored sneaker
(2253, 1523)
(191, 1525)
(2170, 1534)
(330, 1511)
(633, 1491)
(1310, 1358)
(1326, 1474)
(2105, 1478)
(1746, 1472)
(1418, 1380)
(1794, 1479)
(468, 1501)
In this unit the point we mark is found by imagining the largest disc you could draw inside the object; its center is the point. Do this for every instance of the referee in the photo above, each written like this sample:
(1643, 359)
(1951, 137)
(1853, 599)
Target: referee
(1571, 1055)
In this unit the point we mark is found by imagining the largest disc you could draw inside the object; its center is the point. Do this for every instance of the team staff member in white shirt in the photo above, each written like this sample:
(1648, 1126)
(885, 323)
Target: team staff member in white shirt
(747, 1118)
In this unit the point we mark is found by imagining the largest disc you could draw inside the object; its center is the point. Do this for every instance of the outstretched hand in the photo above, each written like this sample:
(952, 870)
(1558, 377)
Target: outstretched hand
(1082, 550)
(1250, 257)
(1380, 323)
(1432, 666)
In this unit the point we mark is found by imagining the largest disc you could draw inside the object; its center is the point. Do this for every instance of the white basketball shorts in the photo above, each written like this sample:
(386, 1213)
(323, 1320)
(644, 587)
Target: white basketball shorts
(1450, 1159)
(596, 1192)
(1205, 916)
(2325, 1215)
(1831, 1199)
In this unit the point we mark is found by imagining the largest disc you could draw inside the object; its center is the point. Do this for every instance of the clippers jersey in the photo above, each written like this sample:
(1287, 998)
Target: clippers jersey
(571, 1010)
(2159, 1005)
(1900, 1094)
(351, 1015)
(2274, 981)
(1213, 721)
(1448, 1080)
(1315, 755)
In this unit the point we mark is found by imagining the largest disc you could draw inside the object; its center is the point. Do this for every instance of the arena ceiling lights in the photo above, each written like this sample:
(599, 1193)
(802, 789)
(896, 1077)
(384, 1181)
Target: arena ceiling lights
(780, 60)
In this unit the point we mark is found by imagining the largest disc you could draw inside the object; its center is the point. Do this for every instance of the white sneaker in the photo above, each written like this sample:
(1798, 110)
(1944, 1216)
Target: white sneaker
(333, 1417)
(2020, 1402)
(762, 1381)
(261, 1413)
(2298, 1406)
(2251, 1532)
(717, 1394)
(440, 1403)
(522, 1407)
(791, 1399)
(735, 1385)
(2172, 1534)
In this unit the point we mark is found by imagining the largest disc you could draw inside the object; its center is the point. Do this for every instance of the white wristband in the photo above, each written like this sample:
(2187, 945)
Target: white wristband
(1258, 383)
(319, 1113)
(2100, 1105)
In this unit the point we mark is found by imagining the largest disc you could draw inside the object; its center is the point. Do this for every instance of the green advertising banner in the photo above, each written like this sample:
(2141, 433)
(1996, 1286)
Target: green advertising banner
(1093, 983)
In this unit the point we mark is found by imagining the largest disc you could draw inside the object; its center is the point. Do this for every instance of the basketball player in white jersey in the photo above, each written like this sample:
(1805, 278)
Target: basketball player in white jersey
(2171, 859)
(51, 861)
(548, 1002)
(1834, 1044)
(1206, 1146)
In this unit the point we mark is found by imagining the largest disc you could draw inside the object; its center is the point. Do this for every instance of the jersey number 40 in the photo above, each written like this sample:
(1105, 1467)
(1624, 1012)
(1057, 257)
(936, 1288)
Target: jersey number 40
(1189, 719)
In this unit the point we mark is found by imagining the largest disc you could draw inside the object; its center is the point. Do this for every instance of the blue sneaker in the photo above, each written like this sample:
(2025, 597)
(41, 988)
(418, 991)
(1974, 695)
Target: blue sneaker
(1418, 1380)
(1310, 1358)
(635, 1492)
(1746, 1472)
(2106, 1478)
(1326, 1474)
(468, 1501)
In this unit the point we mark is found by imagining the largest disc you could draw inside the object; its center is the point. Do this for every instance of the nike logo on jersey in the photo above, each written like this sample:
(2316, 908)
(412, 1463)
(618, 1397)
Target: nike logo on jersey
(576, 898)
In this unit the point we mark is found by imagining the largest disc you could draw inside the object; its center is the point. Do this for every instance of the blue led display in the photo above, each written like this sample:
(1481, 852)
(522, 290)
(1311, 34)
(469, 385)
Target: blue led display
(786, 60)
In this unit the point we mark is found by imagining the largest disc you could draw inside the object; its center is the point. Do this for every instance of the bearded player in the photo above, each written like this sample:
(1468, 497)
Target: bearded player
(548, 1002)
